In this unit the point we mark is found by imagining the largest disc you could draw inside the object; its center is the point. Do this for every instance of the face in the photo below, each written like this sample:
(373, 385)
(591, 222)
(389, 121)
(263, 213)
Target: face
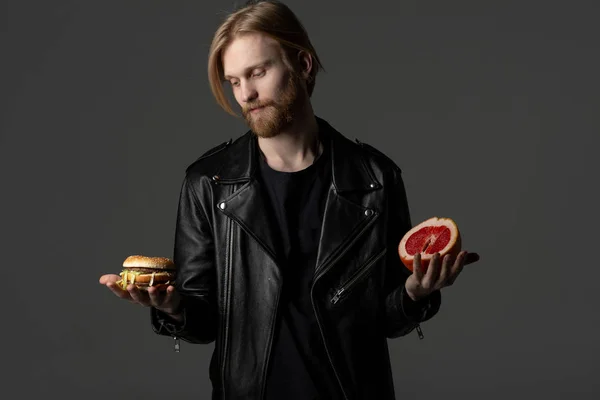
(266, 89)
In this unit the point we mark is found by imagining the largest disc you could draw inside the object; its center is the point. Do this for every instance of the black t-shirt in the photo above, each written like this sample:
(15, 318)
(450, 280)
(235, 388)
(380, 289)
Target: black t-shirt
(299, 368)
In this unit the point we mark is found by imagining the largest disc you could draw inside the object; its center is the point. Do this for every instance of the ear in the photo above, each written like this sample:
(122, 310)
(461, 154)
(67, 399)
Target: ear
(305, 63)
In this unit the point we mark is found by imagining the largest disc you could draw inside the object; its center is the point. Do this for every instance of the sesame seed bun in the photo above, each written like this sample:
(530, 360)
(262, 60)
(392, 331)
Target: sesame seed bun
(138, 261)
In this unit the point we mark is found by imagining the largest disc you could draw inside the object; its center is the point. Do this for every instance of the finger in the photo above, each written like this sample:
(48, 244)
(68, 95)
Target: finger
(166, 300)
(104, 279)
(417, 267)
(118, 290)
(457, 267)
(156, 297)
(433, 272)
(171, 297)
(138, 296)
(445, 271)
(169, 294)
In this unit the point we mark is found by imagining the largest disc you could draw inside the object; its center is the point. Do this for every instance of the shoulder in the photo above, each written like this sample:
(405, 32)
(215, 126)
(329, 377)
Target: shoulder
(203, 162)
(226, 155)
(377, 157)
(358, 148)
(219, 159)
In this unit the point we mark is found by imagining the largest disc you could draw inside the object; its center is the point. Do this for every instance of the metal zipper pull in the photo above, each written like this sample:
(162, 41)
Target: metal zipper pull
(176, 344)
(420, 332)
(337, 296)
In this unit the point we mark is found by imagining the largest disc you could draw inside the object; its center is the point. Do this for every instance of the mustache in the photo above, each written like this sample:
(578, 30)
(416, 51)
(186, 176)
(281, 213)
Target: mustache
(249, 107)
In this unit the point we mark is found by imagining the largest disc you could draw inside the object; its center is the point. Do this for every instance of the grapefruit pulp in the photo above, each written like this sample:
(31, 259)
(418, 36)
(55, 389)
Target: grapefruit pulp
(435, 235)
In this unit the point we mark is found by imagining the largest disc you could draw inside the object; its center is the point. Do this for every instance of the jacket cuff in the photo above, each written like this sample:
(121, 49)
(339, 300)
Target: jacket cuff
(421, 310)
(413, 310)
(163, 324)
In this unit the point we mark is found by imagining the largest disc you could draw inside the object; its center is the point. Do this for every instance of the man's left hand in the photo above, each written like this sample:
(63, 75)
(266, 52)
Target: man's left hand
(440, 273)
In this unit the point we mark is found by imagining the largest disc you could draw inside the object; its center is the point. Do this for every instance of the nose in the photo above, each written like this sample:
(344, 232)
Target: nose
(249, 92)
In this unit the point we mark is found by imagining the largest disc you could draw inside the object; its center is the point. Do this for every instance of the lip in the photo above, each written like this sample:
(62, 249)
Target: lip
(256, 109)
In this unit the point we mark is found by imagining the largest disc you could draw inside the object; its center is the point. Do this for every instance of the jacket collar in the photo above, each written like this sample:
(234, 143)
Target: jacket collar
(349, 169)
(346, 217)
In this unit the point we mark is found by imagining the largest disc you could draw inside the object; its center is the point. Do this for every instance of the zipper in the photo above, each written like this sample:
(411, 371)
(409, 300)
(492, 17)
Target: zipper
(359, 275)
(350, 283)
(420, 332)
(326, 349)
(270, 346)
(227, 279)
(324, 270)
(176, 346)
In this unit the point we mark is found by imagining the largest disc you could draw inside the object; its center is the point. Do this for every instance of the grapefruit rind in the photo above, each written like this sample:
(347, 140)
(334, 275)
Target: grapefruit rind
(453, 245)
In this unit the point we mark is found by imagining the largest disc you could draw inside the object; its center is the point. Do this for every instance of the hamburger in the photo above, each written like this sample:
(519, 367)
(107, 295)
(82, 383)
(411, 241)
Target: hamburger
(144, 272)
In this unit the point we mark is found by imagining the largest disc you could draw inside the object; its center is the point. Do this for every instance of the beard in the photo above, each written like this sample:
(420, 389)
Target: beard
(275, 115)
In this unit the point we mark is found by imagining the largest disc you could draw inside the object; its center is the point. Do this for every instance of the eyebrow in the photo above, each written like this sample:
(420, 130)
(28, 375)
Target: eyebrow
(261, 64)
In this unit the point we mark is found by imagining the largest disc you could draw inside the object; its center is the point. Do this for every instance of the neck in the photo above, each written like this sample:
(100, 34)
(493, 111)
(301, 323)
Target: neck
(296, 147)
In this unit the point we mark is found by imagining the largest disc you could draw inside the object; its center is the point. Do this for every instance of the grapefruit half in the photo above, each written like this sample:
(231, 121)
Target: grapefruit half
(435, 235)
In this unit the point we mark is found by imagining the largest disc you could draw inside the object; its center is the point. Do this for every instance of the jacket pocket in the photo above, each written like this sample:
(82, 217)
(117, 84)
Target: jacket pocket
(363, 272)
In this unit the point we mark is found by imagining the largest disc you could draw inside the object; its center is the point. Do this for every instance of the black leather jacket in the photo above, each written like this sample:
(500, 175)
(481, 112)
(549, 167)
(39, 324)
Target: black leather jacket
(230, 282)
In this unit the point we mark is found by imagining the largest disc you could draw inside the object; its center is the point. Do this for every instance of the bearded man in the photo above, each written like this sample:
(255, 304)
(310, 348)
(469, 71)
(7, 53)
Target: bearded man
(286, 237)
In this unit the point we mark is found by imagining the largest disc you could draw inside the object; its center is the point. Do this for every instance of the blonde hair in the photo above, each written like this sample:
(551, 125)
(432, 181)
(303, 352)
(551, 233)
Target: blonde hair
(269, 17)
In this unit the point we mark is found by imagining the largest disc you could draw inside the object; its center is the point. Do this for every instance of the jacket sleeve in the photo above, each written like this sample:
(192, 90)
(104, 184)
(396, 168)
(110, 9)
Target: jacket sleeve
(402, 314)
(194, 258)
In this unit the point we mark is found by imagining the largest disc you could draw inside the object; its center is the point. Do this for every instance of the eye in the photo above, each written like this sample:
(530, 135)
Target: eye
(258, 74)
(234, 83)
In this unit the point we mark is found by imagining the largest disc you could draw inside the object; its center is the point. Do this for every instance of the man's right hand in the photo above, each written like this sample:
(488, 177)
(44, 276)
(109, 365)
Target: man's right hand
(167, 301)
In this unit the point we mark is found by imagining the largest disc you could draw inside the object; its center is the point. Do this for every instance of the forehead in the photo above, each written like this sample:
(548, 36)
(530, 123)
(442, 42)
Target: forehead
(248, 50)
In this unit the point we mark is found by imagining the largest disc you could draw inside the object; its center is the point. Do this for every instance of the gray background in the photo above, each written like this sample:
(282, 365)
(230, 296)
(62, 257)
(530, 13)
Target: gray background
(490, 109)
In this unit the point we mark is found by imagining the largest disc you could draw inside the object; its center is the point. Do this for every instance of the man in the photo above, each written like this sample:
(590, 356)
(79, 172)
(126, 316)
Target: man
(286, 239)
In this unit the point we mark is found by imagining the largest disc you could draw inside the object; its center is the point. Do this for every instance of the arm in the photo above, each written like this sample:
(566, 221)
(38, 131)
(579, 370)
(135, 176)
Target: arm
(401, 312)
(194, 254)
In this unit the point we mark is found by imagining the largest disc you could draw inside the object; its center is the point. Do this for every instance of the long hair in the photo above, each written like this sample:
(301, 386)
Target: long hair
(271, 18)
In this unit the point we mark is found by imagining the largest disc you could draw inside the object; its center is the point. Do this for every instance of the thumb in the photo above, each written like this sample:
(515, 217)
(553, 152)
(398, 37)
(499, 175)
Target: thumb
(172, 298)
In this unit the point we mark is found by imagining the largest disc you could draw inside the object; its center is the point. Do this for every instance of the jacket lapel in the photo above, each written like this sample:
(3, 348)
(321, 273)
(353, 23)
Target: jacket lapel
(348, 212)
(248, 205)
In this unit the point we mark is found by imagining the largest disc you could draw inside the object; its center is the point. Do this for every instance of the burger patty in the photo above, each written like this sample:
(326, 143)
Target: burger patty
(149, 270)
